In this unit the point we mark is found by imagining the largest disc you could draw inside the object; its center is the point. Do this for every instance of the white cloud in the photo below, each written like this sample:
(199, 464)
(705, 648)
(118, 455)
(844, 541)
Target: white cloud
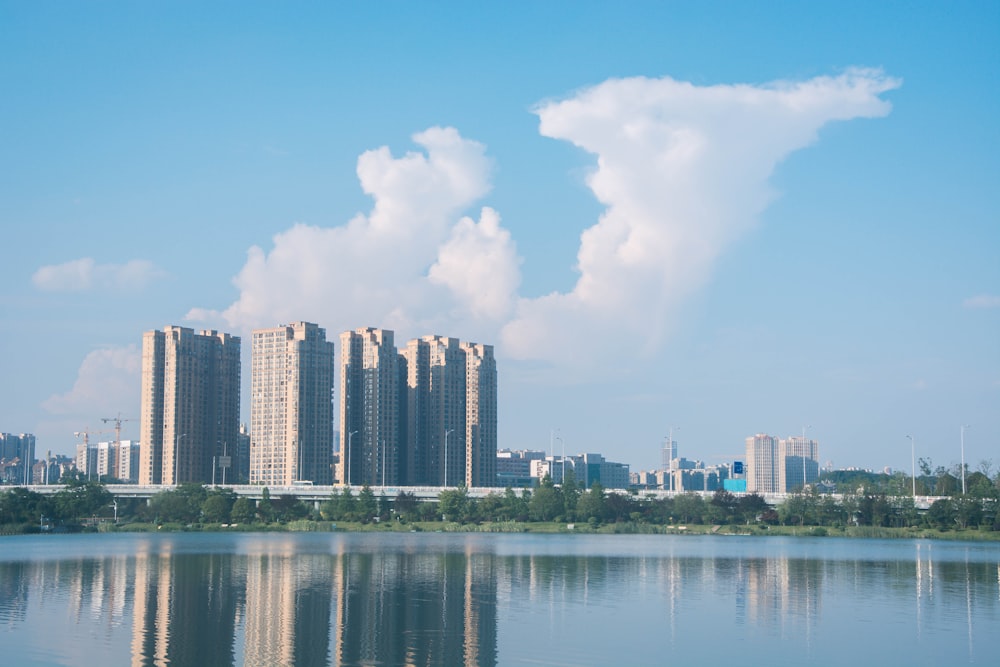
(479, 264)
(982, 301)
(107, 383)
(683, 171)
(373, 270)
(80, 275)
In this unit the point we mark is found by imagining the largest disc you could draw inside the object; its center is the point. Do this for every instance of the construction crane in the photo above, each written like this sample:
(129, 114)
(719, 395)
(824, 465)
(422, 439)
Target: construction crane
(118, 426)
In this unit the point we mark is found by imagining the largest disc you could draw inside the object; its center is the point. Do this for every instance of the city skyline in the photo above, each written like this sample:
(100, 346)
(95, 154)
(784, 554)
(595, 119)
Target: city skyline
(656, 234)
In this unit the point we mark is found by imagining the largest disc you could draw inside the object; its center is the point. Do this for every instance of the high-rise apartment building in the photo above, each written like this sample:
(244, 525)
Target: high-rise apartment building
(780, 466)
(762, 464)
(372, 408)
(427, 416)
(798, 462)
(480, 415)
(190, 403)
(435, 410)
(291, 410)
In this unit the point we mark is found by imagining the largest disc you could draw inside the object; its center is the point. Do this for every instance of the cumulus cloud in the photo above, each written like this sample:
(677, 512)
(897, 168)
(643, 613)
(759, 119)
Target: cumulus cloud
(373, 269)
(982, 301)
(107, 383)
(682, 171)
(479, 264)
(84, 274)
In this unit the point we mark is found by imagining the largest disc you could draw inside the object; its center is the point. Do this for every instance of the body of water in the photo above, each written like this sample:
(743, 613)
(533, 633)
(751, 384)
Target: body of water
(268, 599)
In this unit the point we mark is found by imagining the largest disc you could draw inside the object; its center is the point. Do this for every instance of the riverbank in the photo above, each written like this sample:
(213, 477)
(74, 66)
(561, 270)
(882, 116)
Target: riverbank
(858, 532)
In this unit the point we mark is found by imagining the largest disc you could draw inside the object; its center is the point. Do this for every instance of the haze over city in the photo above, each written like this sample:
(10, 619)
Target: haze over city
(711, 219)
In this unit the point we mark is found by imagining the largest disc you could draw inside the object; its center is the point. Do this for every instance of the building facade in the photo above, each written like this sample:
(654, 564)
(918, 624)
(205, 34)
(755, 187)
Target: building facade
(780, 466)
(762, 464)
(190, 403)
(17, 456)
(372, 408)
(480, 415)
(291, 410)
(798, 462)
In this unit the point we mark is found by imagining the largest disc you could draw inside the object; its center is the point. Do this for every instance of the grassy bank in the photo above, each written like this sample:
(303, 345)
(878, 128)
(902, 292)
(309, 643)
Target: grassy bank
(626, 528)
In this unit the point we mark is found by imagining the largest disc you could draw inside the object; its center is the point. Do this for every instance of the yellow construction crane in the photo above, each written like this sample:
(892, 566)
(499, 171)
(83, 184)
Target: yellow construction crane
(118, 426)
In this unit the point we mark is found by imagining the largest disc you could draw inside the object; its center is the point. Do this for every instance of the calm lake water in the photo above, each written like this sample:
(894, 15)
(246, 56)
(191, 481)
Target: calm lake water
(204, 599)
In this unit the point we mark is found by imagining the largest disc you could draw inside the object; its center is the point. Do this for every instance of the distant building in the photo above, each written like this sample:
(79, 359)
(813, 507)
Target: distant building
(17, 456)
(514, 467)
(109, 460)
(291, 408)
(190, 403)
(586, 469)
(779, 466)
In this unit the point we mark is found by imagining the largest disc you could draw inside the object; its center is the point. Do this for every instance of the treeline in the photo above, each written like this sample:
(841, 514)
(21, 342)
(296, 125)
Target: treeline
(84, 504)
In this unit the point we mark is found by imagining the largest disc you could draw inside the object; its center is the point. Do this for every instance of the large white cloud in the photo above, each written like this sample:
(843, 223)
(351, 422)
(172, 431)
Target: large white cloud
(107, 383)
(374, 269)
(85, 274)
(682, 170)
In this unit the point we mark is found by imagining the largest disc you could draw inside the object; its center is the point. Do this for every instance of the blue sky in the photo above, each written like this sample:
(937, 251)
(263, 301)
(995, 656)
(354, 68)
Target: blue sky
(726, 218)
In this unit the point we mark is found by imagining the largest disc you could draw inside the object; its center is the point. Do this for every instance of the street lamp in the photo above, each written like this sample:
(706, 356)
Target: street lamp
(962, 437)
(177, 451)
(913, 465)
(347, 481)
(446, 433)
(563, 479)
(804, 457)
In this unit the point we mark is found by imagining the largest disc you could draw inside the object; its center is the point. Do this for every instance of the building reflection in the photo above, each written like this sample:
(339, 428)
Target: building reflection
(184, 609)
(402, 608)
(346, 601)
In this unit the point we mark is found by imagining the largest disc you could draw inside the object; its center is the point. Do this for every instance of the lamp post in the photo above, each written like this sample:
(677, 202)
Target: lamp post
(913, 465)
(446, 433)
(347, 474)
(563, 479)
(962, 438)
(804, 457)
(177, 451)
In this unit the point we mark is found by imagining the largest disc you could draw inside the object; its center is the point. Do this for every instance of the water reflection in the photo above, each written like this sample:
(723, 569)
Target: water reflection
(425, 600)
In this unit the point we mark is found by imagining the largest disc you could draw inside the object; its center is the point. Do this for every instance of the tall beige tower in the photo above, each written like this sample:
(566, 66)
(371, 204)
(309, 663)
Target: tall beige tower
(372, 409)
(480, 415)
(762, 464)
(190, 403)
(291, 410)
(435, 411)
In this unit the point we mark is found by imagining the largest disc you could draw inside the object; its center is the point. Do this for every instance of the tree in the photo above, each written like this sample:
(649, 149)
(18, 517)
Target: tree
(243, 511)
(81, 500)
(689, 508)
(590, 506)
(452, 503)
(406, 505)
(751, 506)
(546, 502)
(367, 505)
(218, 506)
(570, 493)
(725, 503)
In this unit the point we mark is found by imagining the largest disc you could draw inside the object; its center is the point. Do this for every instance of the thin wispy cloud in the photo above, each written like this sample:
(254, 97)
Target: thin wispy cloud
(85, 274)
(682, 171)
(982, 301)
